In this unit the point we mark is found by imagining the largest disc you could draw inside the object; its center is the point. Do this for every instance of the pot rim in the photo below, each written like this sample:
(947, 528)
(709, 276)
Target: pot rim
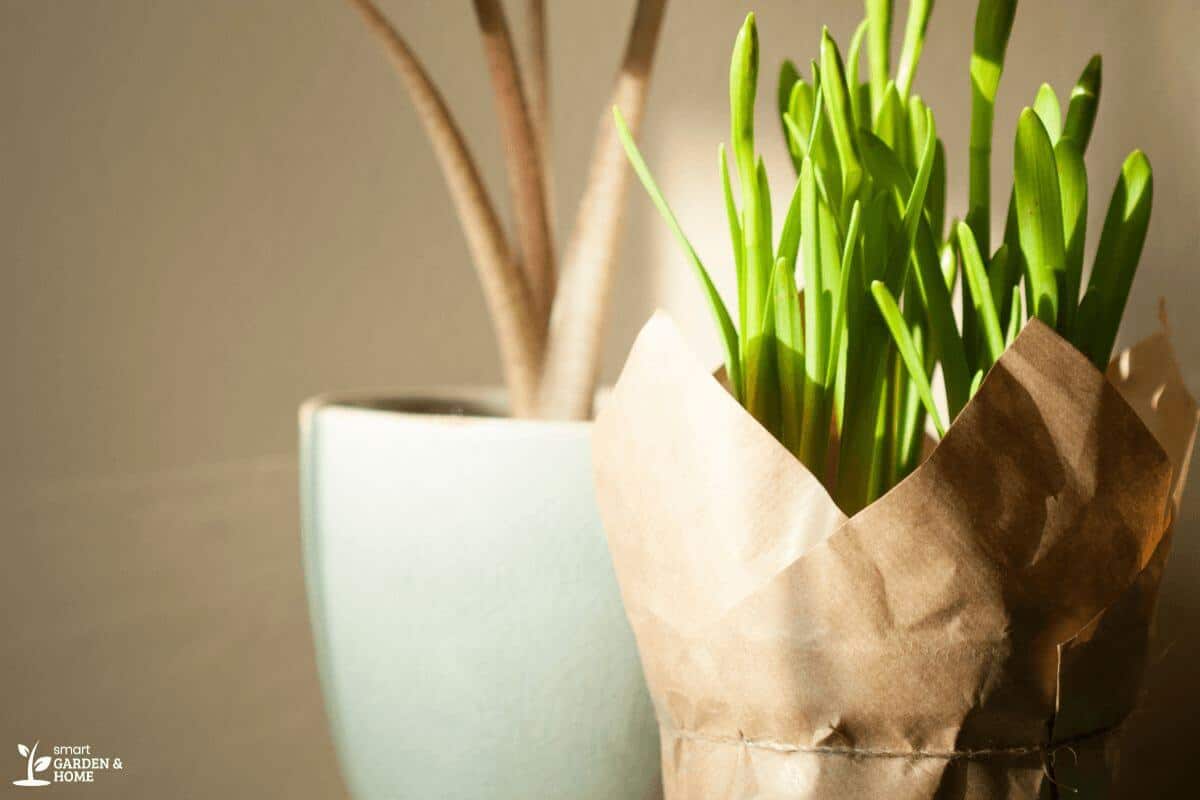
(459, 405)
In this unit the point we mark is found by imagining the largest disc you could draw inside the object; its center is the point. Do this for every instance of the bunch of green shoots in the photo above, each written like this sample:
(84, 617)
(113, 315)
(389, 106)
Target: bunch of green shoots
(1037, 269)
(819, 368)
(840, 372)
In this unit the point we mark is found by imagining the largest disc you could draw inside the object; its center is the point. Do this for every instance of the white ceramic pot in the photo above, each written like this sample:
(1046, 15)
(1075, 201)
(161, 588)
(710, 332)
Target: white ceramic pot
(469, 631)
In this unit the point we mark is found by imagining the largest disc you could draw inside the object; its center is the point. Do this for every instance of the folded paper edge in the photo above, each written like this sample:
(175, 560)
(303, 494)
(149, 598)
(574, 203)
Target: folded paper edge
(661, 326)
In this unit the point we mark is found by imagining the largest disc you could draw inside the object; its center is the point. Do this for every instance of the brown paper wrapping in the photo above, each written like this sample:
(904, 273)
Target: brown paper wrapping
(978, 632)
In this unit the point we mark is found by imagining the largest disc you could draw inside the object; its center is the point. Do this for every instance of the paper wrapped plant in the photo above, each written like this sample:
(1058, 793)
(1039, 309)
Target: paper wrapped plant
(829, 602)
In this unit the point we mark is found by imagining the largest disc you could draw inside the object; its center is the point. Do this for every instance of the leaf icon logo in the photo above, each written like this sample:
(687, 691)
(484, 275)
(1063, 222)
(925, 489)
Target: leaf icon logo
(32, 764)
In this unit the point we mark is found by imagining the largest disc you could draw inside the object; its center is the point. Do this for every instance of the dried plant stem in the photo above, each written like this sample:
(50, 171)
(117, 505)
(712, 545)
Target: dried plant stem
(519, 331)
(538, 85)
(573, 352)
(522, 152)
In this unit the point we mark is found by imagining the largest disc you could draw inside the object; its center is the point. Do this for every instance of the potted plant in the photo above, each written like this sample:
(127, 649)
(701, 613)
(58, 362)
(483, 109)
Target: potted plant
(469, 632)
(829, 599)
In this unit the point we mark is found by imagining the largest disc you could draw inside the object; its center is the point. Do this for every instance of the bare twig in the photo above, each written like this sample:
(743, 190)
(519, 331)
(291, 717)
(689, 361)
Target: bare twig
(522, 154)
(573, 354)
(519, 329)
(538, 84)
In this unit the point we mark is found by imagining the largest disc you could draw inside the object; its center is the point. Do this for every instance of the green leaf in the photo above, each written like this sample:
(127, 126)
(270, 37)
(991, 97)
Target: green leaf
(759, 362)
(949, 261)
(914, 42)
(831, 242)
(762, 374)
(759, 260)
(1012, 241)
(887, 172)
(891, 123)
(797, 142)
(788, 77)
(763, 190)
(821, 145)
(862, 102)
(929, 278)
(859, 451)
(915, 207)
(790, 83)
(976, 382)
(945, 340)
(969, 326)
(735, 235)
(1047, 108)
(879, 437)
(1072, 182)
(800, 111)
(820, 138)
(815, 431)
(849, 318)
(981, 294)
(880, 220)
(866, 336)
(1015, 319)
(789, 236)
(935, 201)
(743, 85)
(729, 336)
(916, 111)
(789, 352)
(862, 110)
(879, 44)
(838, 312)
(841, 118)
(1081, 111)
(912, 415)
(1003, 275)
(1039, 211)
(896, 394)
(1117, 257)
(913, 361)
(993, 25)
(884, 165)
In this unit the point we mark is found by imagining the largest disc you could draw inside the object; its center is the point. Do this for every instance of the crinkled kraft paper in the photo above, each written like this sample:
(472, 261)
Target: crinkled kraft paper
(978, 632)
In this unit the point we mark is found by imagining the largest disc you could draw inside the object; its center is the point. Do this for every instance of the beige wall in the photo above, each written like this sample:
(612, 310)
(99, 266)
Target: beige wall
(214, 210)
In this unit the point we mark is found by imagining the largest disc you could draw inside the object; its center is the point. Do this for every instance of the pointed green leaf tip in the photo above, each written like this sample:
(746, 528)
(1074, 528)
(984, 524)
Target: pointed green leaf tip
(788, 76)
(879, 37)
(1085, 99)
(1117, 256)
(743, 85)
(841, 116)
(729, 336)
(1039, 209)
(907, 349)
(919, 12)
(1072, 180)
(1047, 107)
(981, 295)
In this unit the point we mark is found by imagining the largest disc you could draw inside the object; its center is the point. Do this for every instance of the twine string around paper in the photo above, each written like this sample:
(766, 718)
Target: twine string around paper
(1046, 750)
